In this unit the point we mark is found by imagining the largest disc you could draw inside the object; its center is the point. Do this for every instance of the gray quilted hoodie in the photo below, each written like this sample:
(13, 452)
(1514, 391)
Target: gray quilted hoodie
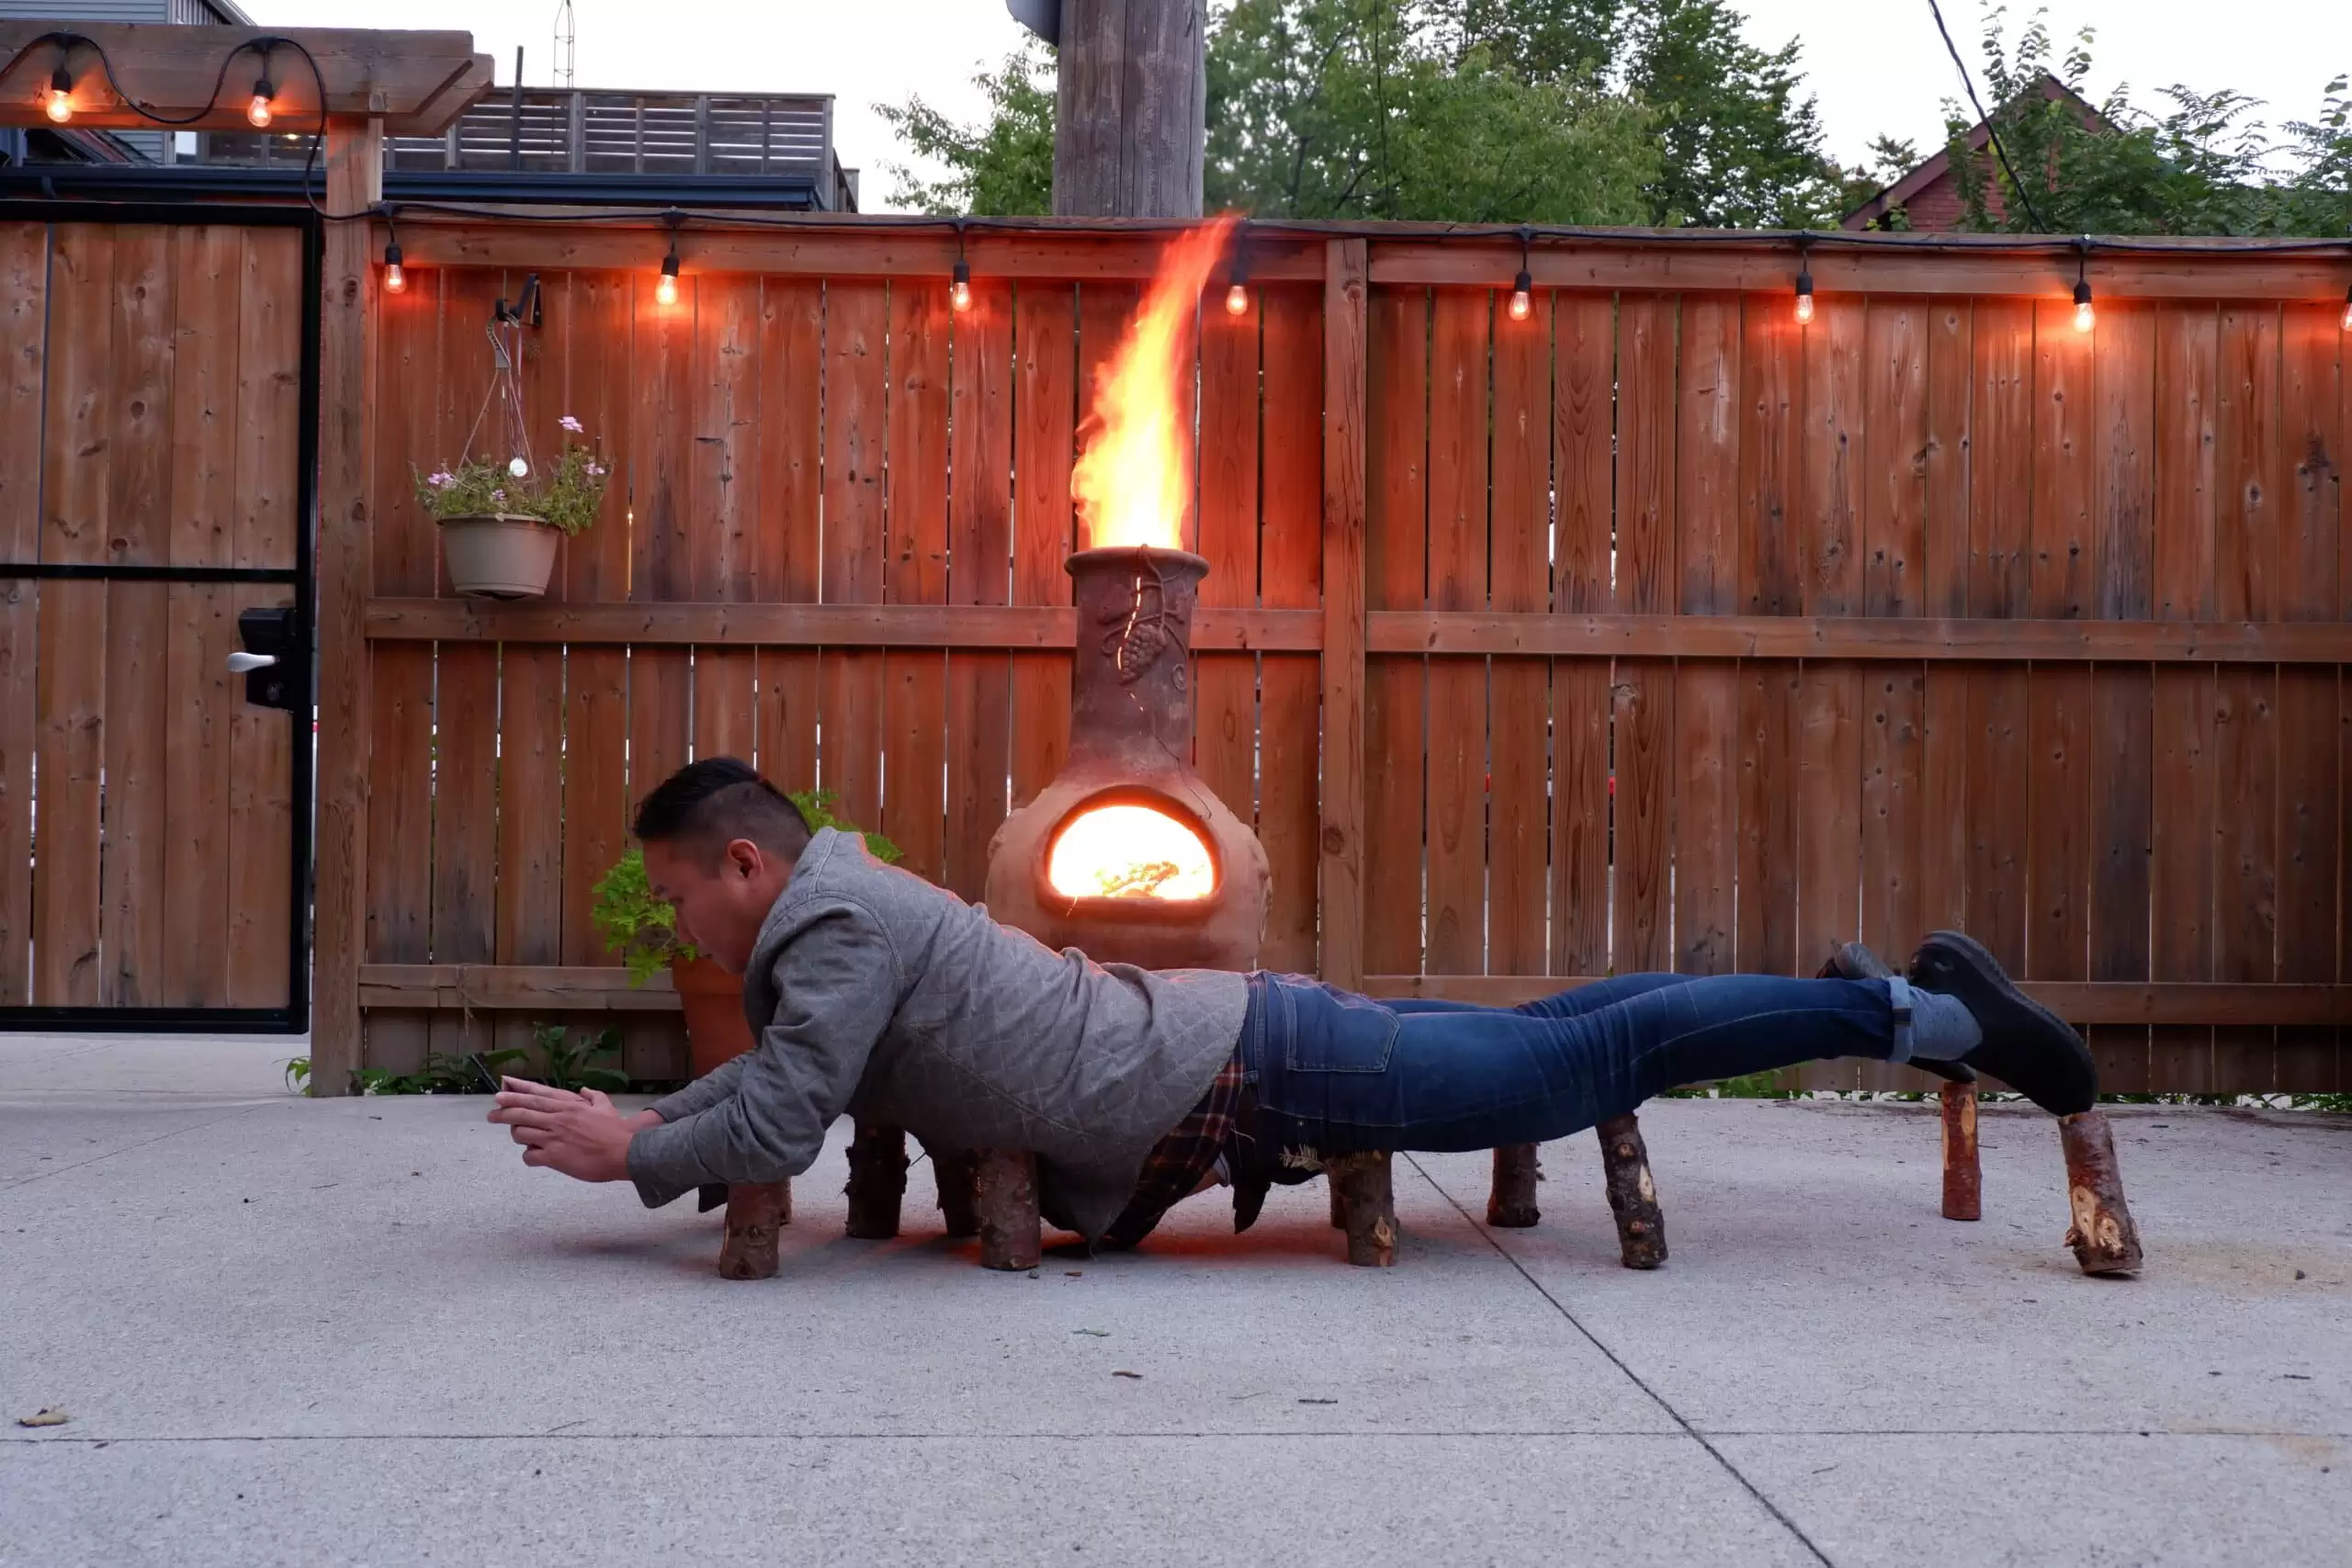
(874, 992)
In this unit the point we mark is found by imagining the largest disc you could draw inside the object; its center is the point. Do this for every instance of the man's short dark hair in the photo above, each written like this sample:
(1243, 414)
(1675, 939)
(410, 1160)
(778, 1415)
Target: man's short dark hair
(710, 803)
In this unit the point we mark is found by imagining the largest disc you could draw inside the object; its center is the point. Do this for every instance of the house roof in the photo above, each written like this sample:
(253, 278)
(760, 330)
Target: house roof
(1935, 168)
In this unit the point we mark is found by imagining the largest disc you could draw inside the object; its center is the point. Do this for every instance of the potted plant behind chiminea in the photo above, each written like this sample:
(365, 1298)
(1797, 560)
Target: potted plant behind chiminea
(501, 520)
(644, 930)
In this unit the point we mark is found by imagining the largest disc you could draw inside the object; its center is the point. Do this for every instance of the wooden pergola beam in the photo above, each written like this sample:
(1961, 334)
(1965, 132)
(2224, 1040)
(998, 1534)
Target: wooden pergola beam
(416, 82)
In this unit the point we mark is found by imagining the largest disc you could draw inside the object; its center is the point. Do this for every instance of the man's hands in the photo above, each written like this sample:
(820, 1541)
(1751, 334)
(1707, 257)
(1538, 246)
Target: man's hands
(581, 1135)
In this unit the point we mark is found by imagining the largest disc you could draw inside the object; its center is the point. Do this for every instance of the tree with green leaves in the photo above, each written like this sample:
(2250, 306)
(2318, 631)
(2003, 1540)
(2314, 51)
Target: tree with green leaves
(2205, 165)
(1561, 111)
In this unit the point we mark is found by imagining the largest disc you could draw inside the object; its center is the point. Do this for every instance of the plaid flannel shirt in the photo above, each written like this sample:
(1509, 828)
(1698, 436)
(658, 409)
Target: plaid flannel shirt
(1178, 1163)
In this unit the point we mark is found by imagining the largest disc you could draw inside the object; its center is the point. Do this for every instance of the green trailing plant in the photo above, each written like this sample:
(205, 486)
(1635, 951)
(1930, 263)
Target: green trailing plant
(644, 930)
(298, 1074)
(471, 1073)
(564, 495)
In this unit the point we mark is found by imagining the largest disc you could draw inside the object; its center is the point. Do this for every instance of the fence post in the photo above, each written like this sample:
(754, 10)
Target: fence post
(355, 159)
(1346, 279)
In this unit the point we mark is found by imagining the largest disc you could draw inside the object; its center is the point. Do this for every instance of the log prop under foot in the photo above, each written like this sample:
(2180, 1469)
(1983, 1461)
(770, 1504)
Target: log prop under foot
(1361, 1189)
(1963, 1175)
(1632, 1195)
(1511, 1200)
(878, 1180)
(956, 1173)
(2103, 1235)
(756, 1215)
(1011, 1232)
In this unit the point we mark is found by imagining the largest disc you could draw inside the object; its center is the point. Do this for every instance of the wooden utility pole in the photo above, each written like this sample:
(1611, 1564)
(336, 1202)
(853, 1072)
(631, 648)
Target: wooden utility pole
(1131, 118)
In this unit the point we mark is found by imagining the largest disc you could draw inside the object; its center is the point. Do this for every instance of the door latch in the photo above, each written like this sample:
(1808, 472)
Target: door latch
(275, 660)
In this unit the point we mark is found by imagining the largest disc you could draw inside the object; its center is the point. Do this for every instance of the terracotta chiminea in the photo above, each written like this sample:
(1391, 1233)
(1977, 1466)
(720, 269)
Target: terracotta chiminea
(1128, 855)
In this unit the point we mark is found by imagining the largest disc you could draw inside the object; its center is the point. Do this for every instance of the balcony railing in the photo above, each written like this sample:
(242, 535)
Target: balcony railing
(586, 132)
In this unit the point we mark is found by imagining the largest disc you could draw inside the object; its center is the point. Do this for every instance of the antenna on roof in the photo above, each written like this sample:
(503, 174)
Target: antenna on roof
(565, 41)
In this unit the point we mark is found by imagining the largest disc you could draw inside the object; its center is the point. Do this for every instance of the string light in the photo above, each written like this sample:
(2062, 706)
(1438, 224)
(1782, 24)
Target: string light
(58, 101)
(1522, 287)
(395, 276)
(258, 111)
(1805, 286)
(1237, 286)
(666, 291)
(2085, 316)
(959, 282)
(2348, 310)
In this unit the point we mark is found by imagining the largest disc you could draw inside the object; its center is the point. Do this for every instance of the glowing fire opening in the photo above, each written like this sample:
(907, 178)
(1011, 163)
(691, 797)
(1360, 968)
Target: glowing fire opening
(1133, 482)
(1130, 852)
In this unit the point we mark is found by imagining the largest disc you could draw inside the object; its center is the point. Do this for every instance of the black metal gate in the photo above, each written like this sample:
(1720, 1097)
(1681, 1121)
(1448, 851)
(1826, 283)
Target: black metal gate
(159, 384)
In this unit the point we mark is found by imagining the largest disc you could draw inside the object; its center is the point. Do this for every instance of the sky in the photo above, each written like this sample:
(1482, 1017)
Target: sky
(1875, 65)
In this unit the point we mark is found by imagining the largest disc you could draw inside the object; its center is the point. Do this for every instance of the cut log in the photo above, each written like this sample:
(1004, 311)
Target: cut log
(1362, 1188)
(2103, 1235)
(1011, 1233)
(756, 1215)
(878, 1180)
(1963, 1174)
(1511, 1202)
(957, 1172)
(1632, 1195)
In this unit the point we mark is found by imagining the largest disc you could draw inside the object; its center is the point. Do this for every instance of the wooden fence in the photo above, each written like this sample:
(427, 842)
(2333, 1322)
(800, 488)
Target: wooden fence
(1654, 631)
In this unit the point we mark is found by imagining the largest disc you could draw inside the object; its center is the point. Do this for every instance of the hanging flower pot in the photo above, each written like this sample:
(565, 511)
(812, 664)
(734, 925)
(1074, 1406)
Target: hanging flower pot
(501, 555)
(501, 520)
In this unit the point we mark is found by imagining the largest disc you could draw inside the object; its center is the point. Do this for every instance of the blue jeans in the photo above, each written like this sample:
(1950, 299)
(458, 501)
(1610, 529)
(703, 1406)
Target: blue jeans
(1338, 1072)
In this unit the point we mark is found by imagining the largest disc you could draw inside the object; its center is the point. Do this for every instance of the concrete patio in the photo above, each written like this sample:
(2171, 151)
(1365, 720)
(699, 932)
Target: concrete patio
(307, 1332)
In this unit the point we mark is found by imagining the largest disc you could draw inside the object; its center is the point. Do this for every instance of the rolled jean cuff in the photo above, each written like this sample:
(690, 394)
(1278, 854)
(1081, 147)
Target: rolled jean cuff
(1898, 997)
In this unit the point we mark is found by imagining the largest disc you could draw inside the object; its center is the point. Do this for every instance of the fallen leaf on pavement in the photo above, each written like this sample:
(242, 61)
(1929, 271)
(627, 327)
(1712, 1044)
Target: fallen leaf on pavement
(44, 1417)
(1137, 1376)
(1098, 1332)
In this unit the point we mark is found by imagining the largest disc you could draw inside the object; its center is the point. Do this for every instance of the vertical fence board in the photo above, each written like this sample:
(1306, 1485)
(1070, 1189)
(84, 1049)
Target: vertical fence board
(24, 313)
(69, 696)
(1225, 687)
(2122, 760)
(1949, 455)
(980, 532)
(2183, 698)
(1584, 423)
(261, 799)
(1291, 577)
(914, 807)
(600, 352)
(1647, 582)
(1769, 749)
(789, 454)
(1830, 709)
(1771, 456)
(75, 468)
(136, 650)
(1519, 690)
(1043, 527)
(723, 499)
(1457, 580)
(850, 682)
(1895, 462)
(2311, 545)
(130, 918)
(1584, 440)
(2246, 563)
(1706, 704)
(1396, 542)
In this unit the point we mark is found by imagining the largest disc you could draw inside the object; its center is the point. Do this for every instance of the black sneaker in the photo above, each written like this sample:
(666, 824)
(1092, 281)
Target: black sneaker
(1852, 961)
(2025, 1045)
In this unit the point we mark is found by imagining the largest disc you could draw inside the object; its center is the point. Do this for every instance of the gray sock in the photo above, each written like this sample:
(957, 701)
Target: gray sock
(1943, 1028)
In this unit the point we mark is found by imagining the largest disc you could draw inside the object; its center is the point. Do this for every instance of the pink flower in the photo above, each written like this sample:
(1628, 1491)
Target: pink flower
(437, 481)
(596, 470)
(570, 424)
(499, 496)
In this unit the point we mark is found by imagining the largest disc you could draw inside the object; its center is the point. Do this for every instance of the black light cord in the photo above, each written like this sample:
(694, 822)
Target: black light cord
(261, 44)
(1990, 129)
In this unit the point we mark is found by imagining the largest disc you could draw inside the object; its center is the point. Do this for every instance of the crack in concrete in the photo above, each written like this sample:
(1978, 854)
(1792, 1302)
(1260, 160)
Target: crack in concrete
(1635, 1378)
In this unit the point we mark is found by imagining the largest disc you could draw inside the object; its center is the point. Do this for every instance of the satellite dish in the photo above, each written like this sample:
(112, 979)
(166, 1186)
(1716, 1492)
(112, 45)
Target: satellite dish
(1043, 17)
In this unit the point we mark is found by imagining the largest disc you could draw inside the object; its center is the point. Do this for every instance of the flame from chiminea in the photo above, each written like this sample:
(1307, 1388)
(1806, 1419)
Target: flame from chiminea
(1134, 478)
